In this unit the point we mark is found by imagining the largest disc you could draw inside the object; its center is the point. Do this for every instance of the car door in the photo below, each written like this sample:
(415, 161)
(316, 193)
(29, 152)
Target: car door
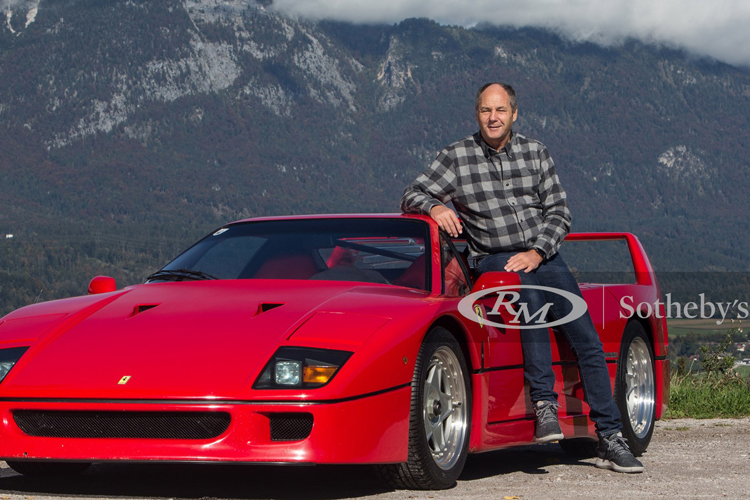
(502, 356)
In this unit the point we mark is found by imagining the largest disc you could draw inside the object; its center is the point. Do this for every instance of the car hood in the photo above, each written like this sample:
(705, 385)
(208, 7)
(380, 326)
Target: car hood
(168, 340)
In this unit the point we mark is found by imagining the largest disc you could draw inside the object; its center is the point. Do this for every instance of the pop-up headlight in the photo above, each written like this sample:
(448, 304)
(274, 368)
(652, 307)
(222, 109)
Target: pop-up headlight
(301, 367)
(8, 358)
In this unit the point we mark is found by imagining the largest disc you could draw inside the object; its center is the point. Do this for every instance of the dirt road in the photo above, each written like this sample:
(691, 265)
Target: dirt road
(686, 459)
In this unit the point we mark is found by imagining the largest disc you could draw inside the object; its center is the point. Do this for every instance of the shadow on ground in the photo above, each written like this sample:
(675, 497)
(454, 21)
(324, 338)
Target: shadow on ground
(527, 459)
(198, 480)
(255, 482)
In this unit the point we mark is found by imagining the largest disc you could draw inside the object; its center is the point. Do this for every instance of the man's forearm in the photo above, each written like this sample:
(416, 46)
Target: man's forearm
(557, 218)
(432, 187)
(554, 230)
(416, 201)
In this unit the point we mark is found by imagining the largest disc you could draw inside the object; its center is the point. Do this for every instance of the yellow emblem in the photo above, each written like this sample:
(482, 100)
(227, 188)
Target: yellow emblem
(124, 380)
(480, 315)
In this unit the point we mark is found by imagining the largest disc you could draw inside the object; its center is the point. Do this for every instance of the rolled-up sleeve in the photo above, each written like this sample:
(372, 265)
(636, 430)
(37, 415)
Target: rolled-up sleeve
(556, 216)
(434, 186)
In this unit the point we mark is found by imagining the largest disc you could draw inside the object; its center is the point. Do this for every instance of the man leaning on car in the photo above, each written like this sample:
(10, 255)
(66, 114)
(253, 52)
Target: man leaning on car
(515, 216)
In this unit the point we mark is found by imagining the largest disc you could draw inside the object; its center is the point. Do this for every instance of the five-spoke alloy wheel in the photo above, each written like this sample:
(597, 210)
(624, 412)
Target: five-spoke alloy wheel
(635, 387)
(444, 407)
(440, 419)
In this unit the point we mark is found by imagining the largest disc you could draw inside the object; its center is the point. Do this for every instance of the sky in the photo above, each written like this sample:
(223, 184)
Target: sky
(717, 28)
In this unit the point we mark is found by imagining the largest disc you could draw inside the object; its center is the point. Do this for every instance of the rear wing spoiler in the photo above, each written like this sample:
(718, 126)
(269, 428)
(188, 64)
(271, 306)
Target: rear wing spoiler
(644, 272)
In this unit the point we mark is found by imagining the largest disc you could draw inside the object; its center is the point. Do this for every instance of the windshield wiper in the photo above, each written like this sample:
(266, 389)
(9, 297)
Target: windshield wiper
(182, 274)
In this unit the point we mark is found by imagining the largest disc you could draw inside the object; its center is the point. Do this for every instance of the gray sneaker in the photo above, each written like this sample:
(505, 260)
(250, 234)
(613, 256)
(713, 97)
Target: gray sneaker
(547, 429)
(613, 454)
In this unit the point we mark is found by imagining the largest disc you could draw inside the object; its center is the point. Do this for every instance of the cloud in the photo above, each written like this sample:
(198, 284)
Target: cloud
(709, 28)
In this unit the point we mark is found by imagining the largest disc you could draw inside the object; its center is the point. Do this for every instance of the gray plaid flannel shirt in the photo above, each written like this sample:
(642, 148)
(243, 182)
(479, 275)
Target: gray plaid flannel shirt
(508, 200)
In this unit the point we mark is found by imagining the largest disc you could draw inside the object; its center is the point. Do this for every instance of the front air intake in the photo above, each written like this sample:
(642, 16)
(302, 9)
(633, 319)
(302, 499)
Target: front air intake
(122, 424)
(290, 426)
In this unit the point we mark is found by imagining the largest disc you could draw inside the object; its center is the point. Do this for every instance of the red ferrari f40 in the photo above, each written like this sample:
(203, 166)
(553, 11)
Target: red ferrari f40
(327, 339)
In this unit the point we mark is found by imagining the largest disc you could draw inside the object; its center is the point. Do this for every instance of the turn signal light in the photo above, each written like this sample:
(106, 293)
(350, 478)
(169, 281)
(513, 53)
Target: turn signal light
(318, 374)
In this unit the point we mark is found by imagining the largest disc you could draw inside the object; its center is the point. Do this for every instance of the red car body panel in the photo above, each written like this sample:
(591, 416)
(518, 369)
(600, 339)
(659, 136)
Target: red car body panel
(201, 345)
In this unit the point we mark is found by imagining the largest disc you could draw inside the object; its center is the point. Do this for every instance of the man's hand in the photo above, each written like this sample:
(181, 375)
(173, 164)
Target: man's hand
(447, 220)
(526, 261)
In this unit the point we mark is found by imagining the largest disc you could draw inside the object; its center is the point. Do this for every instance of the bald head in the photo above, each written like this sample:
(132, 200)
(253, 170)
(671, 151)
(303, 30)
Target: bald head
(496, 113)
(507, 88)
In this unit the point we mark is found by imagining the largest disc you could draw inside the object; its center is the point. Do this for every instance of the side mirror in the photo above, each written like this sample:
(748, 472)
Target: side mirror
(102, 284)
(494, 279)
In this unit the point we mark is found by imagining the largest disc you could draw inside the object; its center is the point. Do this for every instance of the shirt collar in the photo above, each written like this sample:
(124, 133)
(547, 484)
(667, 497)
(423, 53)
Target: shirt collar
(488, 150)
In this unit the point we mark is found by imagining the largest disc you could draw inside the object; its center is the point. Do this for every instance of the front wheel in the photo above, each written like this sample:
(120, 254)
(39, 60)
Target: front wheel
(440, 417)
(635, 387)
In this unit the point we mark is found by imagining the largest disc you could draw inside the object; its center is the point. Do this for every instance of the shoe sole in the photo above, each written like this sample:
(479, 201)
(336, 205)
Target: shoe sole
(549, 438)
(608, 464)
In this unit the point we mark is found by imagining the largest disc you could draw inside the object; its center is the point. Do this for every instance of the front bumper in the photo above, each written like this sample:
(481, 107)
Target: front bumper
(367, 429)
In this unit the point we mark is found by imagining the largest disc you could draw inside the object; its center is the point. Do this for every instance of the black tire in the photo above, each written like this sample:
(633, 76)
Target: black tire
(579, 447)
(427, 468)
(635, 387)
(49, 468)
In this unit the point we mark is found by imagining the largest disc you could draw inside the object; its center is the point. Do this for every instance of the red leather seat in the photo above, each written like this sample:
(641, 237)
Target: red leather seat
(414, 276)
(288, 267)
(455, 280)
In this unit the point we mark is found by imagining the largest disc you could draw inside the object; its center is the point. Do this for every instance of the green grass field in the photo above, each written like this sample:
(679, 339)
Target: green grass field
(677, 327)
(698, 396)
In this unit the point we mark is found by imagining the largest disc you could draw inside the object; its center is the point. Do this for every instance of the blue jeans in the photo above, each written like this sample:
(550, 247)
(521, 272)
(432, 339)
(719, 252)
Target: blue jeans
(580, 333)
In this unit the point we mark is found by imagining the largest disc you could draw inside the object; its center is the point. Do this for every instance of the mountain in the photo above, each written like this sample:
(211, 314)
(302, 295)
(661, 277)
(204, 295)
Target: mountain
(130, 128)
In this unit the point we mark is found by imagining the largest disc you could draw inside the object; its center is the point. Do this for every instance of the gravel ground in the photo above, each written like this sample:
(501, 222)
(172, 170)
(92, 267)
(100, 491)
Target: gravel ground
(686, 459)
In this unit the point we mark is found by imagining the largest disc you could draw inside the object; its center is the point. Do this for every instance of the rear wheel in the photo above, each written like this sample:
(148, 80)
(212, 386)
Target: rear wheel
(635, 387)
(440, 417)
(49, 468)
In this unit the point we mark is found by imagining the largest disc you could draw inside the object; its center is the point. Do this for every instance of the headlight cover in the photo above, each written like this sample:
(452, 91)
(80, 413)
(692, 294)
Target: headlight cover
(301, 368)
(8, 358)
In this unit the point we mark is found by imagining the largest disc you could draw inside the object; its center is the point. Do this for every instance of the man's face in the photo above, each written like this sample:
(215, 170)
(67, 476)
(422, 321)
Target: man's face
(495, 116)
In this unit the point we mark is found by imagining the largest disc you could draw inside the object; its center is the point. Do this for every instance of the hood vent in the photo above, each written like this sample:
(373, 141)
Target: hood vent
(142, 307)
(266, 306)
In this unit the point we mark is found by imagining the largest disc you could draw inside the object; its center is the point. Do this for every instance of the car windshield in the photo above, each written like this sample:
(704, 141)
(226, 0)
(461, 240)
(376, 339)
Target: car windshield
(388, 251)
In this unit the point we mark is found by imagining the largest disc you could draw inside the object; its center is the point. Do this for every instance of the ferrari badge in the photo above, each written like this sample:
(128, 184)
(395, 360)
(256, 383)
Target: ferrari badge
(480, 315)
